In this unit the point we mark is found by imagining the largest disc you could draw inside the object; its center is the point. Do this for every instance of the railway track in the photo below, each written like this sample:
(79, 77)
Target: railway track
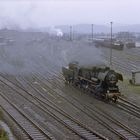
(75, 126)
(70, 122)
(126, 61)
(126, 133)
(117, 127)
(123, 104)
(126, 68)
(31, 128)
(33, 101)
(129, 107)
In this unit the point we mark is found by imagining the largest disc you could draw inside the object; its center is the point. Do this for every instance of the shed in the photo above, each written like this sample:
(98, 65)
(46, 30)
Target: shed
(135, 77)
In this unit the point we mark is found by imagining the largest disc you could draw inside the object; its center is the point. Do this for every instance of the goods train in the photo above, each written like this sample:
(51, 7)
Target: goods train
(130, 44)
(101, 81)
(116, 44)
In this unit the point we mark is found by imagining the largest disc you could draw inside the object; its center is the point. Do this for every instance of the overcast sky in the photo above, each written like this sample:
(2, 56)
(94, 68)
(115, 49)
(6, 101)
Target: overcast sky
(41, 13)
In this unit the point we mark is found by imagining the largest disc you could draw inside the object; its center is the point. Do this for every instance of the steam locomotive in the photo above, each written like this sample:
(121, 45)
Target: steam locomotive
(101, 81)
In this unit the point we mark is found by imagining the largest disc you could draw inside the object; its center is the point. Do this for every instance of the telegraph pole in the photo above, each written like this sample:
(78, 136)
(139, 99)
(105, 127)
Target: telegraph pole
(70, 33)
(92, 31)
(111, 45)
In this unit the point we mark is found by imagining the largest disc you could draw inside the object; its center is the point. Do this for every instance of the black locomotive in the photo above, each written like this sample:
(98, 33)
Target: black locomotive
(102, 81)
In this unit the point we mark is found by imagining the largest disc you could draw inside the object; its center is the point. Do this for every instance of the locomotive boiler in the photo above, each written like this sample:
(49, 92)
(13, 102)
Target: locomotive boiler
(99, 80)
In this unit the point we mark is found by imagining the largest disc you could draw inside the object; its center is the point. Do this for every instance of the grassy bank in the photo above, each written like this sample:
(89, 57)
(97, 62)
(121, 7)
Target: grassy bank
(3, 134)
(127, 88)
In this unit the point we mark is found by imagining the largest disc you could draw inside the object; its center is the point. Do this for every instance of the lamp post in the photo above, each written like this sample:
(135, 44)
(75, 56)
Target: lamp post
(111, 46)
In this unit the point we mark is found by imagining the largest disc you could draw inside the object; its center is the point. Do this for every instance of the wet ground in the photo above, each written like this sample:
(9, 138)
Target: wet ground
(29, 52)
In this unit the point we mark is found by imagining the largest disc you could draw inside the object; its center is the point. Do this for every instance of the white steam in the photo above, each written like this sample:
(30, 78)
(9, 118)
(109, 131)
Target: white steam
(55, 31)
(83, 53)
(33, 52)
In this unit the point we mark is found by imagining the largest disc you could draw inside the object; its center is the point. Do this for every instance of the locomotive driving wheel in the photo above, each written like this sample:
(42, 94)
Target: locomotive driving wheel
(114, 99)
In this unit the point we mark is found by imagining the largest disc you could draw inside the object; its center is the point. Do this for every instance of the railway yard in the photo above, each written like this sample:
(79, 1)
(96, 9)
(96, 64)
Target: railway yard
(36, 104)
